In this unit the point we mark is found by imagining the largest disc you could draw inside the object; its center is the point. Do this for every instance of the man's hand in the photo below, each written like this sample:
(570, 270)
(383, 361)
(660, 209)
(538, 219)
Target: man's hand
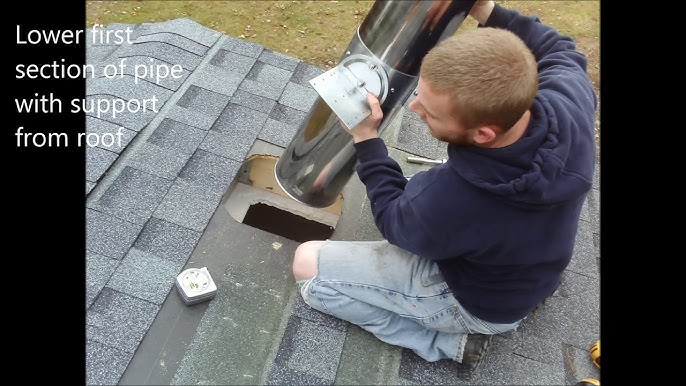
(368, 128)
(482, 10)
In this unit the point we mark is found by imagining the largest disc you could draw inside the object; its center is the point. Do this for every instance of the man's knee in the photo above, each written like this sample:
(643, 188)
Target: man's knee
(305, 260)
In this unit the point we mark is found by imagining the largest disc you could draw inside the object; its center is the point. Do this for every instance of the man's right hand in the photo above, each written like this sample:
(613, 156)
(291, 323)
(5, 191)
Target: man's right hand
(481, 11)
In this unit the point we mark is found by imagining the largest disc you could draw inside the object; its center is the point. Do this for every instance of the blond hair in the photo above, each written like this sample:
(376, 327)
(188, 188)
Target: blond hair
(490, 73)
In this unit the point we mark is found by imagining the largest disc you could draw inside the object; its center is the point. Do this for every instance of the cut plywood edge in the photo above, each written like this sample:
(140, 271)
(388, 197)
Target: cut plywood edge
(262, 176)
(244, 196)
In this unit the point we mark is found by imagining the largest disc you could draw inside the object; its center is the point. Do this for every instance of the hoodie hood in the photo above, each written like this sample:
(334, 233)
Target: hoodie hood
(539, 169)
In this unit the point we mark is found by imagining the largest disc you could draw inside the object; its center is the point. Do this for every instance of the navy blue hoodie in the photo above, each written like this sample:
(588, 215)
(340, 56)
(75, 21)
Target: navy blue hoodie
(500, 223)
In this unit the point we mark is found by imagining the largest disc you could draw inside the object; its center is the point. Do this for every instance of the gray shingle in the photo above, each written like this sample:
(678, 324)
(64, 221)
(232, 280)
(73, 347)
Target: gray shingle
(415, 369)
(119, 320)
(247, 337)
(191, 117)
(162, 51)
(266, 90)
(173, 39)
(145, 276)
(184, 27)
(159, 161)
(366, 228)
(317, 350)
(278, 59)
(538, 348)
(298, 97)
(98, 53)
(189, 205)
(281, 375)
(590, 211)
(108, 235)
(104, 364)
(570, 316)
(140, 98)
(131, 120)
(596, 244)
(585, 257)
(172, 134)
(152, 71)
(303, 311)
(304, 72)
(134, 195)
(166, 240)
(209, 170)
(225, 145)
(578, 364)
(106, 131)
(99, 268)
(287, 115)
(596, 176)
(89, 186)
(265, 73)
(97, 162)
(242, 47)
(579, 285)
(207, 102)
(266, 80)
(509, 369)
(209, 76)
(252, 101)
(235, 64)
(240, 122)
(278, 133)
(310, 348)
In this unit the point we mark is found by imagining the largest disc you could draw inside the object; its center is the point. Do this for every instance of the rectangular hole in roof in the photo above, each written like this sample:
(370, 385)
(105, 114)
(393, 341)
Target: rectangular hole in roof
(286, 224)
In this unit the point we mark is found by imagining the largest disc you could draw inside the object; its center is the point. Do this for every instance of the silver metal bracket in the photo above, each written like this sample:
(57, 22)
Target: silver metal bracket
(344, 88)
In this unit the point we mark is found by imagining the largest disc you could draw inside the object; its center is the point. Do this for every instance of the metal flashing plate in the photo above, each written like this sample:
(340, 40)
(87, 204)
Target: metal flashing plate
(344, 88)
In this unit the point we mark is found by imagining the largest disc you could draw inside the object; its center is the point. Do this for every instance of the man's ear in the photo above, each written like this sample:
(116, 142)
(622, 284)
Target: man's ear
(484, 134)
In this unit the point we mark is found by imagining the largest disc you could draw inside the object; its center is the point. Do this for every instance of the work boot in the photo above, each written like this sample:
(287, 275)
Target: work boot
(475, 350)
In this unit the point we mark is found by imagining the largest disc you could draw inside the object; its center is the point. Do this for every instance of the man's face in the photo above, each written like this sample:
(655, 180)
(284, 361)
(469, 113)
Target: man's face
(435, 109)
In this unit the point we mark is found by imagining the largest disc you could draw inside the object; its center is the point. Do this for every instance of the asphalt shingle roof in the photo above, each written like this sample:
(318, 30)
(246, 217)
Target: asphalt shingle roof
(152, 211)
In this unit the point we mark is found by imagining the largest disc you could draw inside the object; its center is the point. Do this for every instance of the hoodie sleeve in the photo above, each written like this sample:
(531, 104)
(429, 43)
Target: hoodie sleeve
(396, 214)
(561, 69)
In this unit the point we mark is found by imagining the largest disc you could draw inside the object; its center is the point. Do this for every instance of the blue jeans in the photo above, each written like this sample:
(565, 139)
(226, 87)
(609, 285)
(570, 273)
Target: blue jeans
(396, 295)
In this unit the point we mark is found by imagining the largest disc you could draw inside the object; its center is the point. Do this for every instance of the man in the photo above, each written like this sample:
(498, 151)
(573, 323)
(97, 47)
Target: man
(475, 244)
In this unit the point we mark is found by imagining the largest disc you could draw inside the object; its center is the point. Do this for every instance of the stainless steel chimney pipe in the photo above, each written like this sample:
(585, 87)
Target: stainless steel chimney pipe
(384, 58)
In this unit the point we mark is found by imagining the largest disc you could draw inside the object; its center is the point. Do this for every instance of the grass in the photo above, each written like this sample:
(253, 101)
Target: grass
(317, 32)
